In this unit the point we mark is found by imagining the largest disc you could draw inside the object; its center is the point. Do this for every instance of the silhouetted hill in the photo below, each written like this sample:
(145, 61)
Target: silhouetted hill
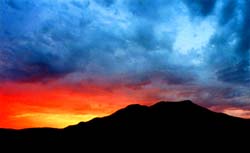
(136, 126)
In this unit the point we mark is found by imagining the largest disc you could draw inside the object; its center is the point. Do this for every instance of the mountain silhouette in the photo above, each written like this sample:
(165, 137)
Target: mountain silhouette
(136, 126)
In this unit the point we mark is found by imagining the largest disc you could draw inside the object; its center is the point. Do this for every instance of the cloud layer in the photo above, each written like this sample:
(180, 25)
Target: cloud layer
(200, 48)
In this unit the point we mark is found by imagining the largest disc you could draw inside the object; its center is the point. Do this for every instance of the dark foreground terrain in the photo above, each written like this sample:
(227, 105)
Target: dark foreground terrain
(162, 126)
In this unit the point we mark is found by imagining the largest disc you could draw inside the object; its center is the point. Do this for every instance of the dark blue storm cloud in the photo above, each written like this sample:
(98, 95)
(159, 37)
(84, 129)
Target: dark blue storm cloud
(201, 7)
(203, 43)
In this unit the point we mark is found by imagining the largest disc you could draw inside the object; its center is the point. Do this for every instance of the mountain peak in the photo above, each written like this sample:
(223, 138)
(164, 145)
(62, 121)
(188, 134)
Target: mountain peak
(184, 102)
(177, 104)
(131, 109)
(161, 121)
(137, 108)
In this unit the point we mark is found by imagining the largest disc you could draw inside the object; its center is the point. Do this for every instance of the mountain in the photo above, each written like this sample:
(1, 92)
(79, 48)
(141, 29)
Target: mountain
(162, 124)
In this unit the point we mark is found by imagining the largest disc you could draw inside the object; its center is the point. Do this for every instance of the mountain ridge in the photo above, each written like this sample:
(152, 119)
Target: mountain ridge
(168, 121)
(160, 104)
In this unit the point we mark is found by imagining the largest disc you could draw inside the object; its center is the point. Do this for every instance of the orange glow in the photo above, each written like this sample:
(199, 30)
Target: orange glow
(24, 105)
(55, 104)
(53, 120)
(237, 112)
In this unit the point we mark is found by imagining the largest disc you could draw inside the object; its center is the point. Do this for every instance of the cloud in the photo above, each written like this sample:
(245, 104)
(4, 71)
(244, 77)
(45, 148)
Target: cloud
(228, 11)
(201, 7)
(230, 52)
(200, 42)
(238, 74)
(57, 38)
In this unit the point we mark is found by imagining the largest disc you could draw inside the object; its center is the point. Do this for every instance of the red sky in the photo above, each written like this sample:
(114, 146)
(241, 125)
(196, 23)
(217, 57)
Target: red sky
(51, 105)
(24, 105)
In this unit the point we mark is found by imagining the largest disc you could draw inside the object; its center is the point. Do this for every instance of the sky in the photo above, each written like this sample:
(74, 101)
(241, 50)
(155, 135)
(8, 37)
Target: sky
(66, 61)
